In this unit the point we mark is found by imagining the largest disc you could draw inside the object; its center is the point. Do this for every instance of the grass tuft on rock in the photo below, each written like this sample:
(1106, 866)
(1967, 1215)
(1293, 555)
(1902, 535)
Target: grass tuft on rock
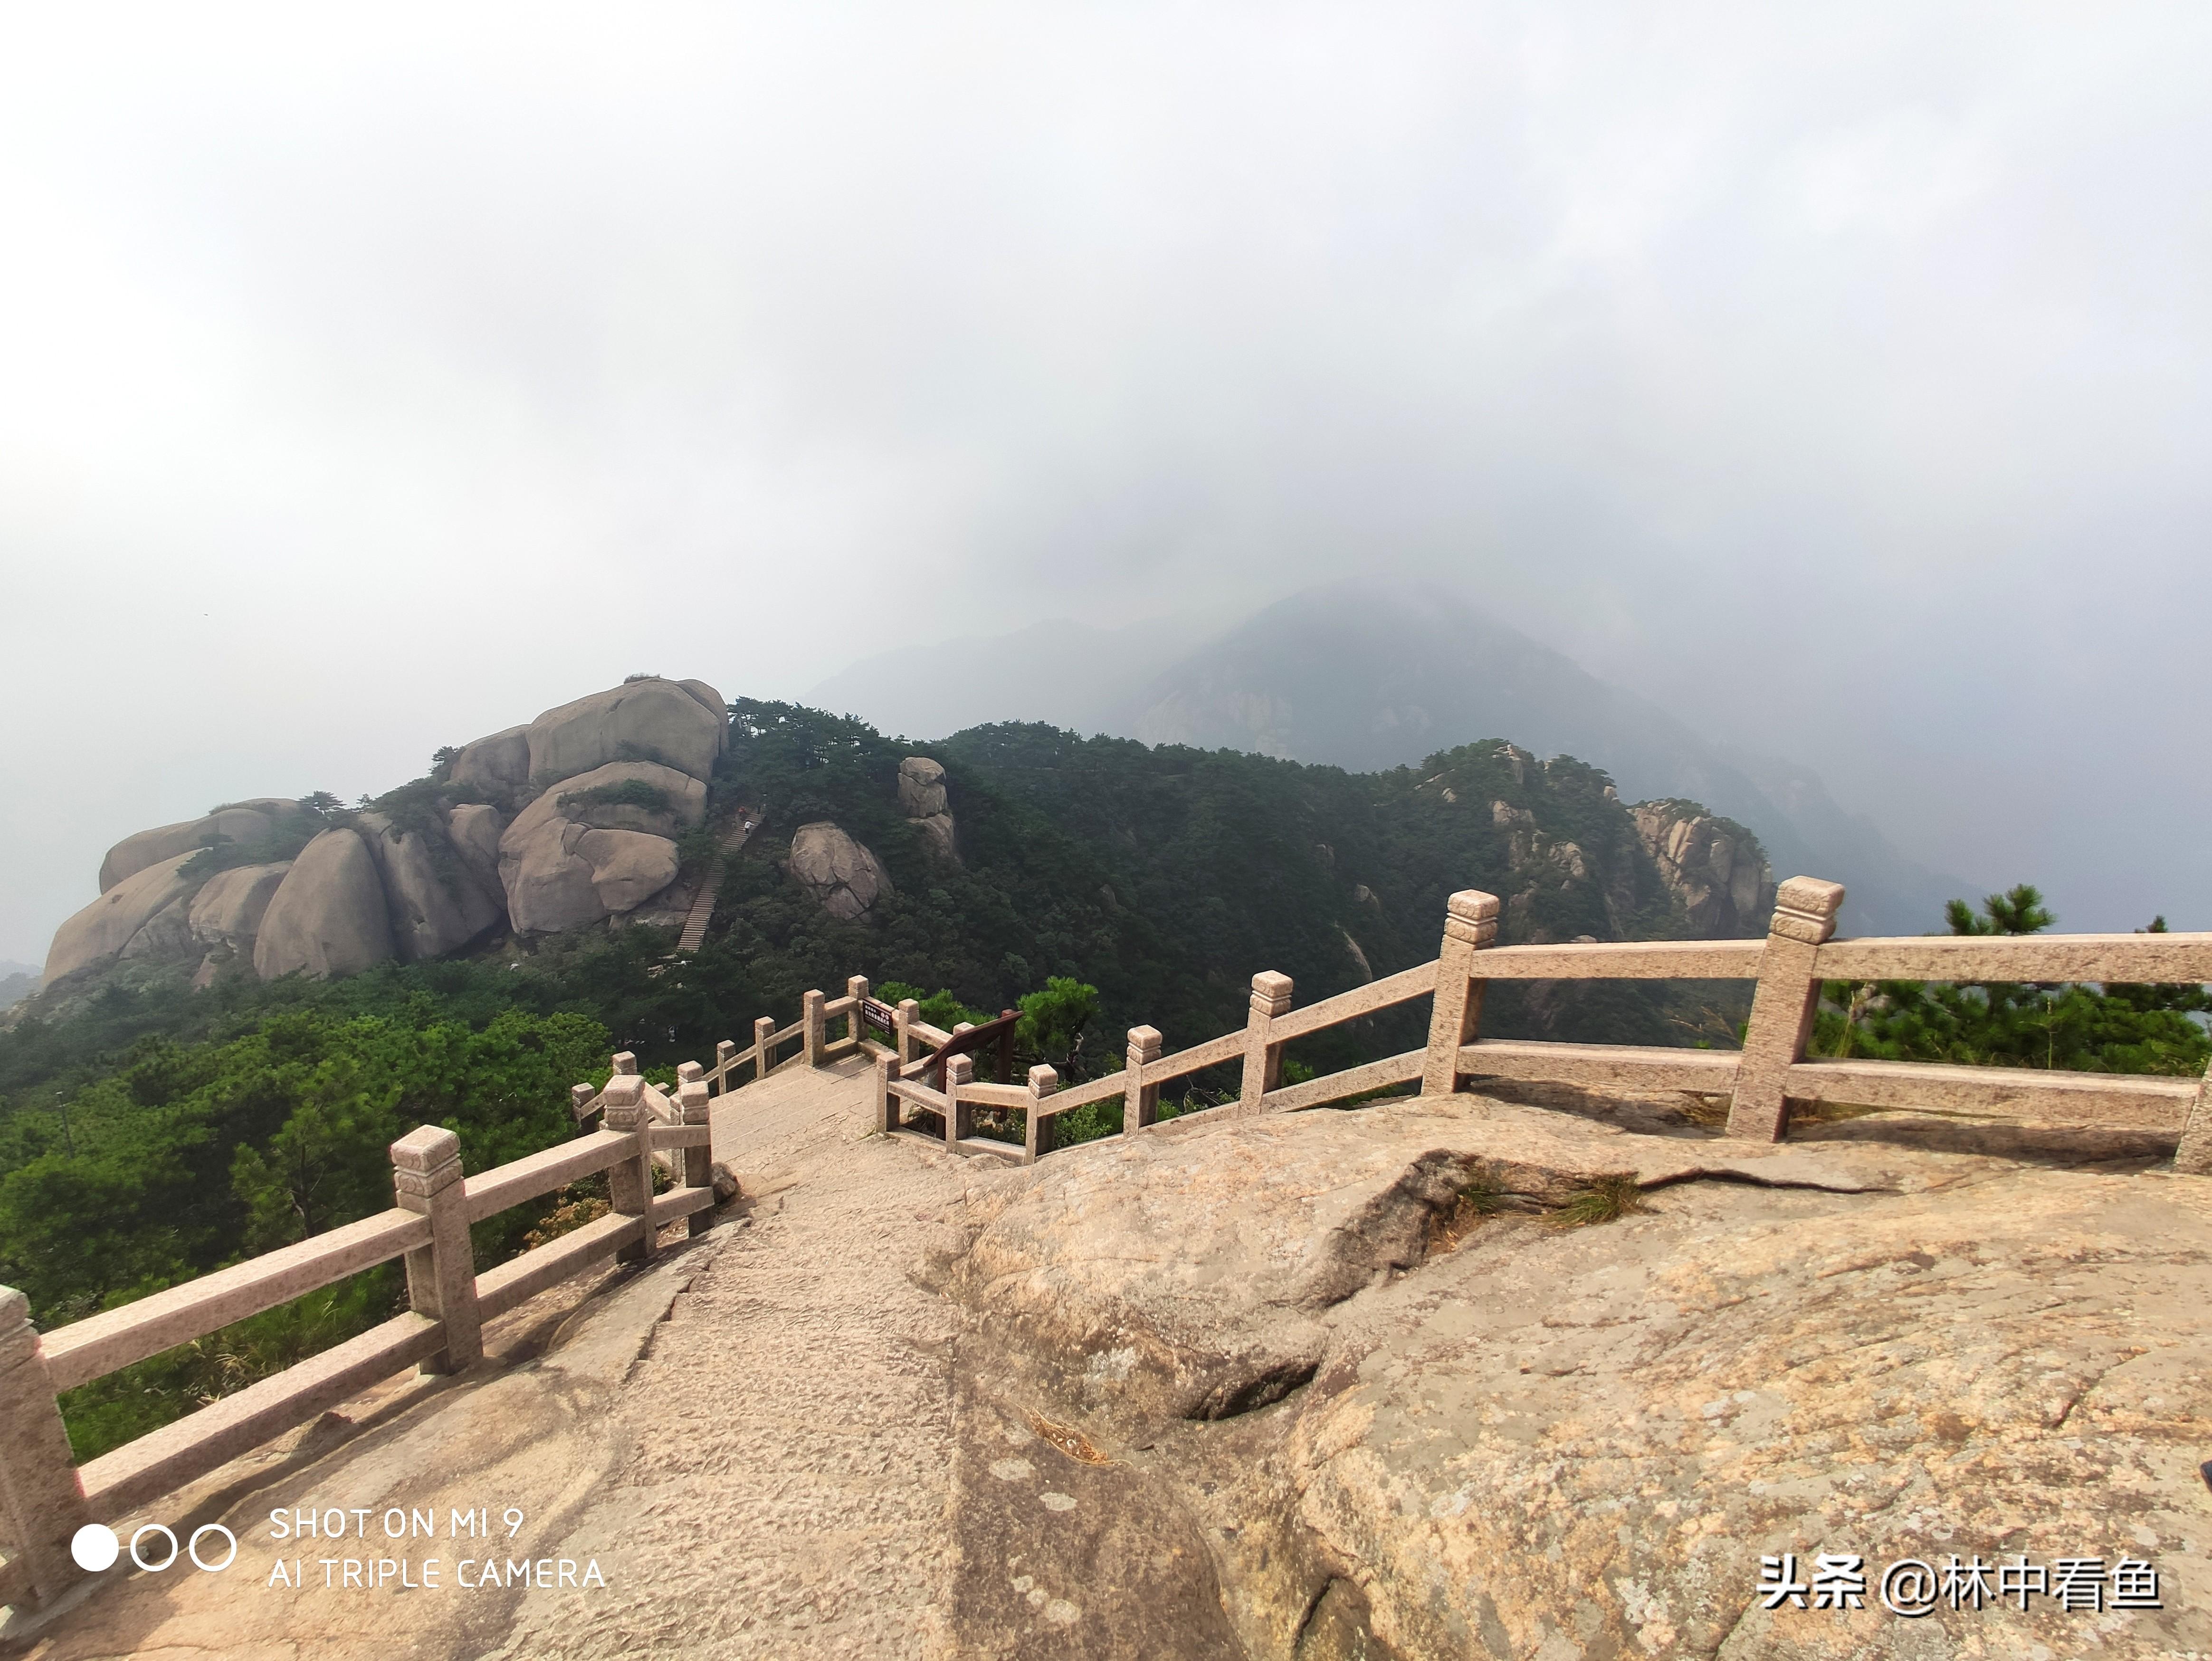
(1603, 1199)
(1479, 1197)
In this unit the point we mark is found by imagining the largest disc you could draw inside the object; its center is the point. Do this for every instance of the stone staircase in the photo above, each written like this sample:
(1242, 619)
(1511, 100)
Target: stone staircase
(703, 906)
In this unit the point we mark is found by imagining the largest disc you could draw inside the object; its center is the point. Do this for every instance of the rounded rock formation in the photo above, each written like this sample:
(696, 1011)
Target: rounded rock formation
(475, 829)
(921, 788)
(432, 898)
(241, 822)
(560, 874)
(327, 916)
(660, 721)
(497, 763)
(100, 932)
(683, 801)
(229, 909)
(922, 800)
(840, 873)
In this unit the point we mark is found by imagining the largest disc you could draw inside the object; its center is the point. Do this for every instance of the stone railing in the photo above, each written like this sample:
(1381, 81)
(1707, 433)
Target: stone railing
(1761, 1079)
(45, 1499)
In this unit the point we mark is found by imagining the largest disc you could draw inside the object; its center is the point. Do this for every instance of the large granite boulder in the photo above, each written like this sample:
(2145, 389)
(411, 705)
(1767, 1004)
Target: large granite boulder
(496, 765)
(242, 822)
(100, 933)
(922, 799)
(653, 720)
(228, 911)
(921, 788)
(622, 795)
(328, 915)
(560, 874)
(474, 828)
(1457, 1428)
(840, 873)
(430, 894)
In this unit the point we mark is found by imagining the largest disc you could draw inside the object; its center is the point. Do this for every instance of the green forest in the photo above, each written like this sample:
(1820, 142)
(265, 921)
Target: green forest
(150, 1133)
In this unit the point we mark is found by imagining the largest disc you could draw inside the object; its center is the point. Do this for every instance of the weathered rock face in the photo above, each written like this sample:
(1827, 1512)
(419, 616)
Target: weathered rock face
(228, 910)
(498, 763)
(248, 822)
(922, 799)
(567, 861)
(1491, 1436)
(686, 798)
(475, 829)
(658, 720)
(921, 788)
(839, 872)
(430, 894)
(103, 930)
(1714, 865)
(561, 874)
(327, 916)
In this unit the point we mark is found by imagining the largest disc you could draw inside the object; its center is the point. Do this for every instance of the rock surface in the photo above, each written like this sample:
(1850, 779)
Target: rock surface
(247, 822)
(475, 829)
(327, 916)
(686, 797)
(564, 875)
(840, 873)
(100, 933)
(658, 720)
(1490, 1436)
(430, 894)
(229, 909)
(1713, 865)
(921, 788)
(499, 763)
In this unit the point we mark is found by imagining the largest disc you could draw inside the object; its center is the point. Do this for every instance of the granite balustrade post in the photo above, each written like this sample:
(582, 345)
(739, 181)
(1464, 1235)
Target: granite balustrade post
(1263, 1060)
(909, 1012)
(1140, 1102)
(1470, 928)
(856, 1026)
(696, 1107)
(959, 1118)
(763, 1042)
(812, 1024)
(630, 1179)
(1037, 1135)
(725, 1062)
(42, 1503)
(2194, 1157)
(1782, 1007)
(886, 1115)
(441, 1276)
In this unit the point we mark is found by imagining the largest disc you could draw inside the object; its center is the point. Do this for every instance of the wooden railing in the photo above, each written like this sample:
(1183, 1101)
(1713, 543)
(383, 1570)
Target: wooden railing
(45, 1498)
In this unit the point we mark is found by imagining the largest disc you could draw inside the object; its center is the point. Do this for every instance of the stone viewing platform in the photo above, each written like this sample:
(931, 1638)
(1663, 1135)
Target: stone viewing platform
(1563, 1356)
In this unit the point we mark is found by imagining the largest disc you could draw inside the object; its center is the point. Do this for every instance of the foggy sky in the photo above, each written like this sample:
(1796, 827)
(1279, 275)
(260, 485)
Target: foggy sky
(1837, 377)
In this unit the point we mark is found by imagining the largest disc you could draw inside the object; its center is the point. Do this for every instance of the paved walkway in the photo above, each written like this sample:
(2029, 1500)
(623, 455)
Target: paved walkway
(793, 1420)
(753, 1438)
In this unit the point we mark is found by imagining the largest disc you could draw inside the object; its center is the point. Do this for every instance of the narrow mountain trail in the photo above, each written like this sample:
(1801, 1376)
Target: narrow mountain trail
(710, 887)
(791, 1422)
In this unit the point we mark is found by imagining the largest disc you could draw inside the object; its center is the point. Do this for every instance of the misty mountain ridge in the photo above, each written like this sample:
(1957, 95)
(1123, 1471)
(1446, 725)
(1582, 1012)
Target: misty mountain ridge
(1371, 676)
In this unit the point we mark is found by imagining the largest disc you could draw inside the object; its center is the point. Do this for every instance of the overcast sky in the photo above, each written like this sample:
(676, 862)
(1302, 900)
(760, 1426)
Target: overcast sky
(1837, 376)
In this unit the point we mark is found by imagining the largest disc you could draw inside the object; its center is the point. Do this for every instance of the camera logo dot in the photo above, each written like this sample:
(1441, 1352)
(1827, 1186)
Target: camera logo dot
(95, 1547)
